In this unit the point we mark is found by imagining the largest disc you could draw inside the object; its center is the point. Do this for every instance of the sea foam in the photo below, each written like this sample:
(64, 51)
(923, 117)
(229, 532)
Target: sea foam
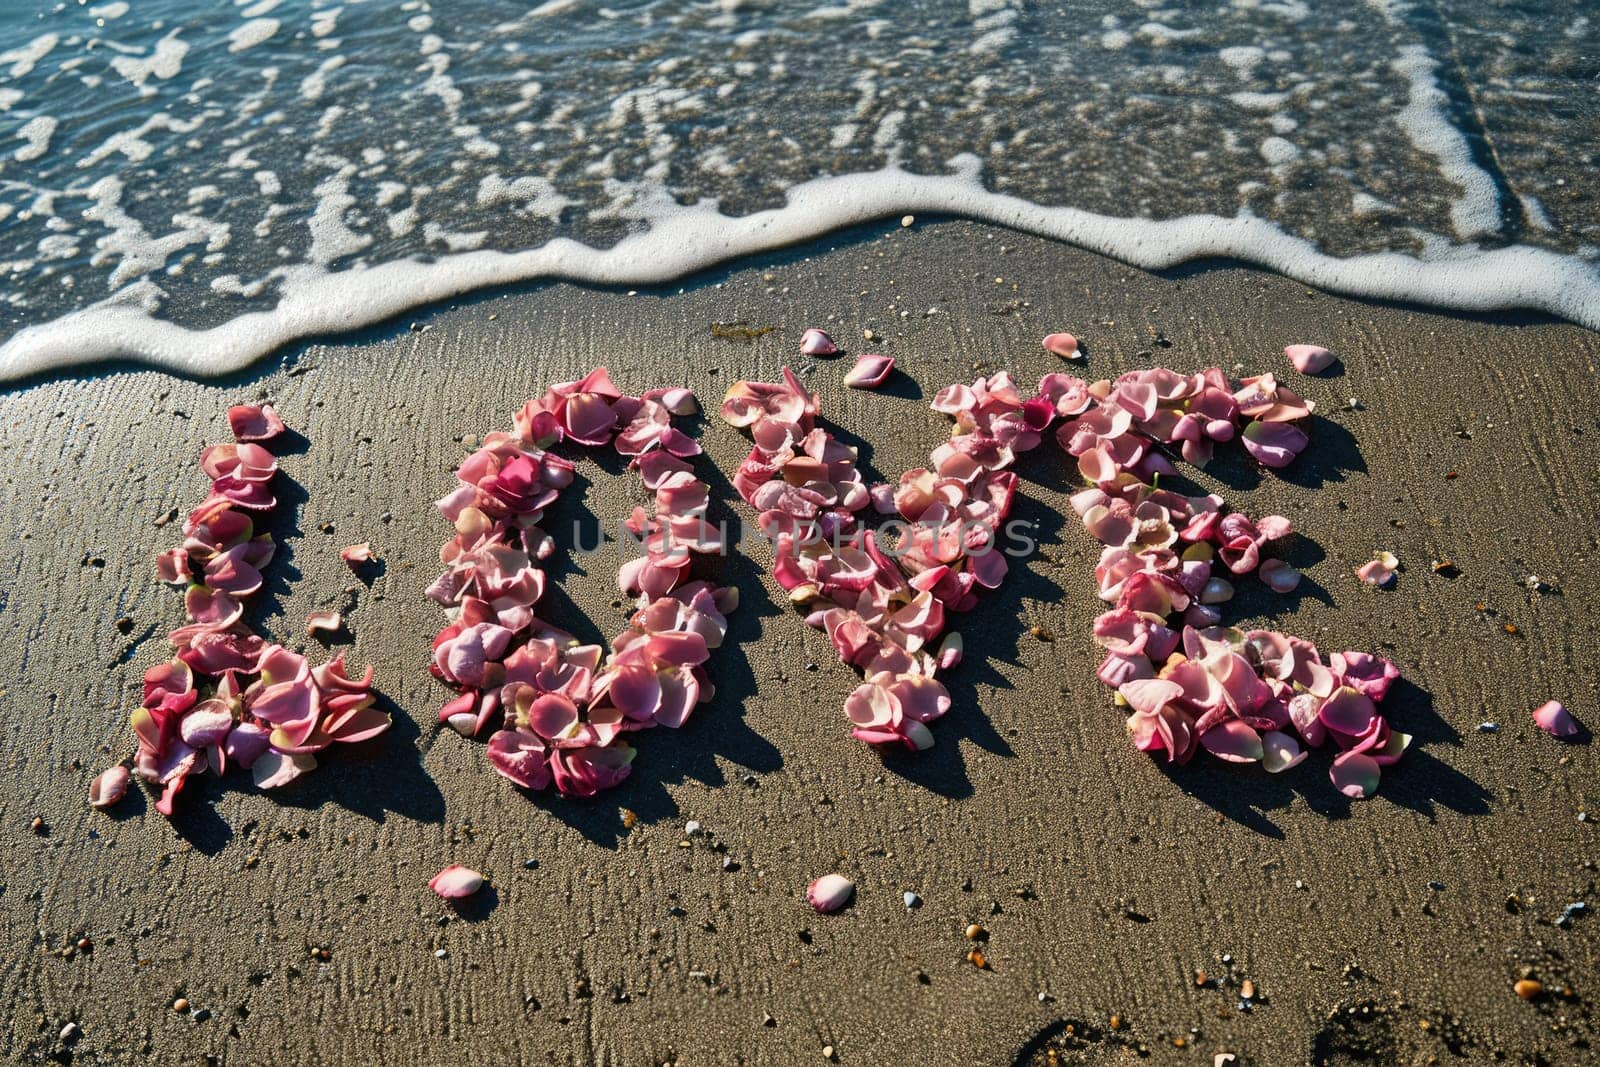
(316, 302)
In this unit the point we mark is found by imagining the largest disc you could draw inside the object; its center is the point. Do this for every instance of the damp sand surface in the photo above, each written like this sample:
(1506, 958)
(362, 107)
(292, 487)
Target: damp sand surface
(1384, 931)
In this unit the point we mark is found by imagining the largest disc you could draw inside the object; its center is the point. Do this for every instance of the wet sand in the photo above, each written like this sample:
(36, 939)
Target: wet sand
(1391, 929)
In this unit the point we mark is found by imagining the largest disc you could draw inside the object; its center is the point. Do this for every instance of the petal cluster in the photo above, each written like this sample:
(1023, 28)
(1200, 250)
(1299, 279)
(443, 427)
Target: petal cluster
(886, 606)
(561, 711)
(229, 697)
(1168, 564)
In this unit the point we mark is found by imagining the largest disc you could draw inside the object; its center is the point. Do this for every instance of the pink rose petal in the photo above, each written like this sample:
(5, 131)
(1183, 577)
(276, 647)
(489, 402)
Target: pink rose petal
(456, 882)
(206, 724)
(521, 756)
(1279, 576)
(1309, 359)
(355, 555)
(869, 372)
(1280, 752)
(1379, 570)
(109, 786)
(328, 621)
(815, 342)
(1348, 711)
(830, 892)
(1555, 720)
(1274, 444)
(251, 422)
(1355, 775)
(1062, 344)
(1233, 741)
(273, 768)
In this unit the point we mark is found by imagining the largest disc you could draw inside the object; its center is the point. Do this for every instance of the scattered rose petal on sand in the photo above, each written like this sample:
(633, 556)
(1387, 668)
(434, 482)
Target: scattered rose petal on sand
(1555, 720)
(830, 892)
(252, 422)
(869, 372)
(456, 882)
(1380, 569)
(1064, 345)
(355, 555)
(815, 342)
(109, 786)
(330, 621)
(1309, 359)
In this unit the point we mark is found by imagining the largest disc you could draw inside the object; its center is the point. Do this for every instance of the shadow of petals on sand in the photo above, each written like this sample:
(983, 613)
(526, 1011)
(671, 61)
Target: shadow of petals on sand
(1420, 781)
(374, 777)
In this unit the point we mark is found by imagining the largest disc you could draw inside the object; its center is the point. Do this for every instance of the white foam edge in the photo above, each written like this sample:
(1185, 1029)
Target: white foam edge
(320, 303)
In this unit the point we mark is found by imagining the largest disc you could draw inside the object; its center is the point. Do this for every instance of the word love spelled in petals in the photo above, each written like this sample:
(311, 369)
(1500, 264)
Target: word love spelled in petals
(561, 710)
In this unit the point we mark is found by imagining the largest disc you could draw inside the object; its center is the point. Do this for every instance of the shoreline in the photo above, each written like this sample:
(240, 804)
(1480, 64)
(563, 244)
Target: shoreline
(316, 303)
(1032, 816)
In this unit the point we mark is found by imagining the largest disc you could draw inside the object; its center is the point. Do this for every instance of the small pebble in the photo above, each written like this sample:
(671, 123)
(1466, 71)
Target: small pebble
(911, 899)
(1248, 990)
(976, 932)
(1488, 727)
(691, 828)
(1528, 989)
(908, 220)
(440, 954)
(70, 1032)
(827, 1052)
(181, 1004)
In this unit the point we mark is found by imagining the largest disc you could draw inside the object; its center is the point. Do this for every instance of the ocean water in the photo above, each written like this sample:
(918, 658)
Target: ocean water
(193, 184)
